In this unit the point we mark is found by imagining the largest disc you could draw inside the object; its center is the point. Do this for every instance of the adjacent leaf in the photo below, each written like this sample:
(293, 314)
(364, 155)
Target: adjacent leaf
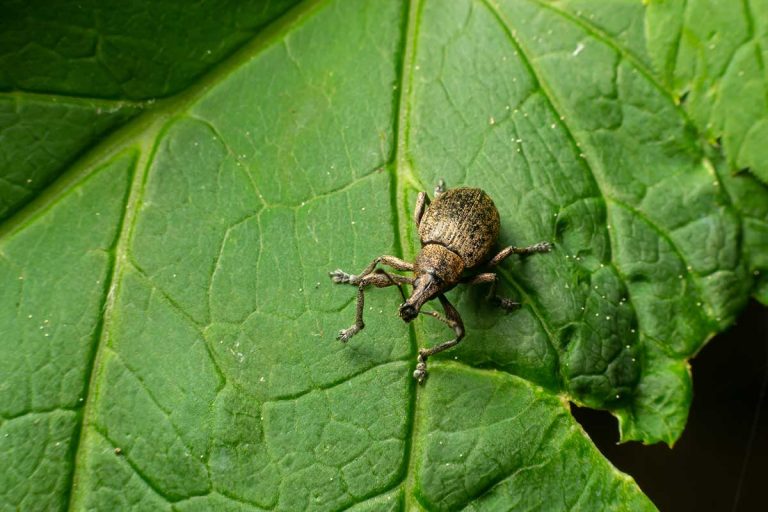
(167, 319)
(129, 50)
(711, 56)
(42, 135)
(101, 57)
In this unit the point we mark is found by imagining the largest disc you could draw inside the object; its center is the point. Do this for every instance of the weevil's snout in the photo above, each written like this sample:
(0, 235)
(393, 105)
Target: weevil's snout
(408, 312)
(424, 288)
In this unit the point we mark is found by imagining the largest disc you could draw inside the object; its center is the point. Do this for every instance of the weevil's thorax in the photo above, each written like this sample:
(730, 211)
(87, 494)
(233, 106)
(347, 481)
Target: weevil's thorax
(443, 264)
(437, 270)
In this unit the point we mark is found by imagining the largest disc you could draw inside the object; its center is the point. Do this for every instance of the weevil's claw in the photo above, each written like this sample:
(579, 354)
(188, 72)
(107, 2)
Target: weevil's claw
(345, 334)
(542, 247)
(440, 187)
(339, 276)
(421, 369)
(507, 304)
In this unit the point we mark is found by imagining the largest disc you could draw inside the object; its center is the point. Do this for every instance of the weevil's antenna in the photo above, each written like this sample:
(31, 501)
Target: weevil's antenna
(392, 280)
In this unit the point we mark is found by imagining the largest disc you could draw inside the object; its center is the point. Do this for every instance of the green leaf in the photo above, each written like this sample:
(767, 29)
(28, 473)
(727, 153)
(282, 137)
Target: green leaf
(42, 135)
(711, 56)
(86, 53)
(166, 315)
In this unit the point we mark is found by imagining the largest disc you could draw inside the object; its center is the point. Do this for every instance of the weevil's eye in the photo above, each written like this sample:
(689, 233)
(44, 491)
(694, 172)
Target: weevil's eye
(408, 312)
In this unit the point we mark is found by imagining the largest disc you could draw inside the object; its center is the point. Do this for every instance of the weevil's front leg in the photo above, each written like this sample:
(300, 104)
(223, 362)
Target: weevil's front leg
(490, 277)
(379, 280)
(506, 252)
(453, 319)
(339, 276)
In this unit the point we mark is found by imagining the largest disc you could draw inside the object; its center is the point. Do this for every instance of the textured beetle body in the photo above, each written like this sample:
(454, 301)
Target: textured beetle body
(457, 232)
(464, 221)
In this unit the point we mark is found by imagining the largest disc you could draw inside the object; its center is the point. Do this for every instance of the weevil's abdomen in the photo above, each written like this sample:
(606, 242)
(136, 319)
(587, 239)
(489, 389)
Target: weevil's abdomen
(464, 220)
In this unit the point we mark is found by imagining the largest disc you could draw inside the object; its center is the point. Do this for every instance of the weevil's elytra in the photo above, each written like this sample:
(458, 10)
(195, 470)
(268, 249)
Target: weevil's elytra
(457, 231)
(463, 220)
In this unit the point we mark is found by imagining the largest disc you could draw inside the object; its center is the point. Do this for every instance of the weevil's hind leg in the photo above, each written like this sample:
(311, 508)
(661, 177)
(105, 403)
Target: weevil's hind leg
(453, 319)
(422, 201)
(505, 303)
(379, 279)
(439, 188)
(490, 277)
(421, 205)
(508, 251)
(341, 277)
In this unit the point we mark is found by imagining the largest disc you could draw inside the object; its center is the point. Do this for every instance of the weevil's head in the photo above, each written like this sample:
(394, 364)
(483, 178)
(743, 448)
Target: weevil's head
(437, 270)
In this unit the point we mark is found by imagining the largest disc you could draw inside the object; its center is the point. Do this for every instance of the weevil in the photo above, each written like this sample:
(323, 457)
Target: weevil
(458, 231)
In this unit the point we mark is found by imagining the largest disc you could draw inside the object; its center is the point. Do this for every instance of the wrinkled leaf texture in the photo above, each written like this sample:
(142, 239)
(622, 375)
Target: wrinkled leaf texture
(166, 318)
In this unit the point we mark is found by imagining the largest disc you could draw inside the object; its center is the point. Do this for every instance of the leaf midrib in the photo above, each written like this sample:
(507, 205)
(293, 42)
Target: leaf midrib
(401, 168)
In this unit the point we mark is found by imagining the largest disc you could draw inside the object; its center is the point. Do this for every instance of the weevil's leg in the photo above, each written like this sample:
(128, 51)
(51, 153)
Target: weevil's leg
(339, 276)
(539, 247)
(439, 188)
(422, 201)
(505, 303)
(453, 319)
(379, 280)
(438, 316)
(490, 277)
(421, 204)
(487, 277)
(358, 326)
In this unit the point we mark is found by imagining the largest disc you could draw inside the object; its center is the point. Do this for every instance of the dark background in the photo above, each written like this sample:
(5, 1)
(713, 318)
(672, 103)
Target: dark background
(721, 461)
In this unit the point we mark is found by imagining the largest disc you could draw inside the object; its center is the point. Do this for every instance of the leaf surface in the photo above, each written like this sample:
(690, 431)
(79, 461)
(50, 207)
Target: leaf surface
(166, 312)
(711, 56)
